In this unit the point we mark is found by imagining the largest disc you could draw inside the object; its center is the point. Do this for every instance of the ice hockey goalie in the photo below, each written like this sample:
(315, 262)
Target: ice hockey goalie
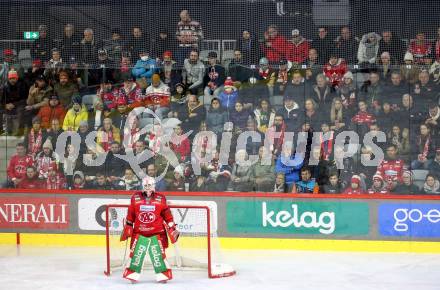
(148, 222)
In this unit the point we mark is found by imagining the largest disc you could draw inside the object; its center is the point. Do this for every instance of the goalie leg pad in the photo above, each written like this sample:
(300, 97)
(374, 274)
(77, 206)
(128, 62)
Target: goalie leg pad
(155, 251)
(158, 259)
(138, 252)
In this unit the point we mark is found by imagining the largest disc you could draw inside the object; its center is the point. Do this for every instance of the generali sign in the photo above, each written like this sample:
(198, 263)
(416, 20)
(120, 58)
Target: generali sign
(34, 213)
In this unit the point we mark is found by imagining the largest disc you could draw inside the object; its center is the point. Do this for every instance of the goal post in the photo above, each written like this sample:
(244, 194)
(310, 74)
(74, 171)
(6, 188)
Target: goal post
(198, 247)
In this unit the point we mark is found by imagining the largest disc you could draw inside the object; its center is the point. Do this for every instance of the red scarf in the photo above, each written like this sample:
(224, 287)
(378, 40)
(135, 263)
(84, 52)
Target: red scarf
(264, 73)
(425, 146)
(56, 182)
(154, 143)
(278, 142)
(107, 139)
(35, 143)
(43, 164)
(282, 77)
(326, 146)
(132, 137)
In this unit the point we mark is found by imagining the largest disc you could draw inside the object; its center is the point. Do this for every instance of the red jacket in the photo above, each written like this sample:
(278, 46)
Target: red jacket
(335, 73)
(33, 183)
(147, 214)
(109, 98)
(298, 52)
(420, 50)
(18, 165)
(278, 49)
(437, 49)
(49, 113)
(391, 170)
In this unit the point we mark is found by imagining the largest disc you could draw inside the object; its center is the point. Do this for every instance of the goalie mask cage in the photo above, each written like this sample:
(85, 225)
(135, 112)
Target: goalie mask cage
(198, 247)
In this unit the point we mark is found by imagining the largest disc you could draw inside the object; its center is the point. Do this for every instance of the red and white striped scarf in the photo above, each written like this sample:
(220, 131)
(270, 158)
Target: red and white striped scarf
(35, 143)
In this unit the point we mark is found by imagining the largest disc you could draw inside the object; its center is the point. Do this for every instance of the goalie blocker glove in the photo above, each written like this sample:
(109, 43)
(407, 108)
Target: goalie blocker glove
(173, 233)
(127, 232)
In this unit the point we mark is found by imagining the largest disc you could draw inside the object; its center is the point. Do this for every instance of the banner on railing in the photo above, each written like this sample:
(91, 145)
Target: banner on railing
(251, 215)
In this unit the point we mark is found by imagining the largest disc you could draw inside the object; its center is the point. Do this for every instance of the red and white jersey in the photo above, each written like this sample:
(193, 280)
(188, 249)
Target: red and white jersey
(108, 98)
(391, 170)
(18, 165)
(148, 213)
(159, 95)
(131, 95)
(335, 73)
(420, 50)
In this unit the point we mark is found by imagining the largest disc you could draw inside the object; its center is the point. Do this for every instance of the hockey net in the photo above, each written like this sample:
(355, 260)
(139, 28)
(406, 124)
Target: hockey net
(198, 247)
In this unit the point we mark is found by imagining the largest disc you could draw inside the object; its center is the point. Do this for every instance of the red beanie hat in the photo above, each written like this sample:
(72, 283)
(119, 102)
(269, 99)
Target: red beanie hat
(377, 177)
(8, 52)
(229, 83)
(167, 54)
(121, 102)
(356, 179)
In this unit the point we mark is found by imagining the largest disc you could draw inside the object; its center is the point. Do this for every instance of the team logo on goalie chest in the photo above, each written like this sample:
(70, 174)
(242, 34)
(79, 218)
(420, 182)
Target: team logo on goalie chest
(146, 217)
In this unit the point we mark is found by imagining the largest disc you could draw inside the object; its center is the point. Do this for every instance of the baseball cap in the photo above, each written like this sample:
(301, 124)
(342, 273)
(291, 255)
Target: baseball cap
(102, 51)
(295, 32)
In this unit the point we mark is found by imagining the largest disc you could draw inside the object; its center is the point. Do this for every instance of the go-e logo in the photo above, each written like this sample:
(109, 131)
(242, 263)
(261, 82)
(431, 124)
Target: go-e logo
(403, 216)
(413, 220)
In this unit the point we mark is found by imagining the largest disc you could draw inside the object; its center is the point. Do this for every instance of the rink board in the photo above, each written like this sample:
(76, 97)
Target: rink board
(241, 220)
(78, 240)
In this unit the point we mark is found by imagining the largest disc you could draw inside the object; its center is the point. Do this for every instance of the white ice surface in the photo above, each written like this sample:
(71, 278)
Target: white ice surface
(61, 268)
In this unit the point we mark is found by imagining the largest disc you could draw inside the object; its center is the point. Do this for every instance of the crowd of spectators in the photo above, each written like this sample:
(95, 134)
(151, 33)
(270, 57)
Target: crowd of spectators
(273, 85)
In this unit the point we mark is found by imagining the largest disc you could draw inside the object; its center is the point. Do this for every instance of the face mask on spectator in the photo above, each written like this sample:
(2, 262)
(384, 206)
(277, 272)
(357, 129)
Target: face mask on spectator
(144, 57)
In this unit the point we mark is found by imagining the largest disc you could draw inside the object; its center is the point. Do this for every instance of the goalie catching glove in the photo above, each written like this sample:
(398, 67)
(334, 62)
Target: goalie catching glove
(173, 233)
(127, 232)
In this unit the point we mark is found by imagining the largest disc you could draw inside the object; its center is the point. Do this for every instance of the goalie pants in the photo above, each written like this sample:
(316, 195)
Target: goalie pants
(162, 237)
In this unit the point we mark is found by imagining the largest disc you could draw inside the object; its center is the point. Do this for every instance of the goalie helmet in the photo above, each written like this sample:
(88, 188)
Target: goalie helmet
(149, 185)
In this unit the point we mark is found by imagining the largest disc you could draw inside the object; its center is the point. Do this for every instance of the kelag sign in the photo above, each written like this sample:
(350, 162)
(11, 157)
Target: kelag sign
(283, 216)
(412, 220)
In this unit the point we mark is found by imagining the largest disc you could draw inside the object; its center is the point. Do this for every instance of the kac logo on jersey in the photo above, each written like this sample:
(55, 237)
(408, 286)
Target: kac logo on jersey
(146, 217)
(147, 208)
